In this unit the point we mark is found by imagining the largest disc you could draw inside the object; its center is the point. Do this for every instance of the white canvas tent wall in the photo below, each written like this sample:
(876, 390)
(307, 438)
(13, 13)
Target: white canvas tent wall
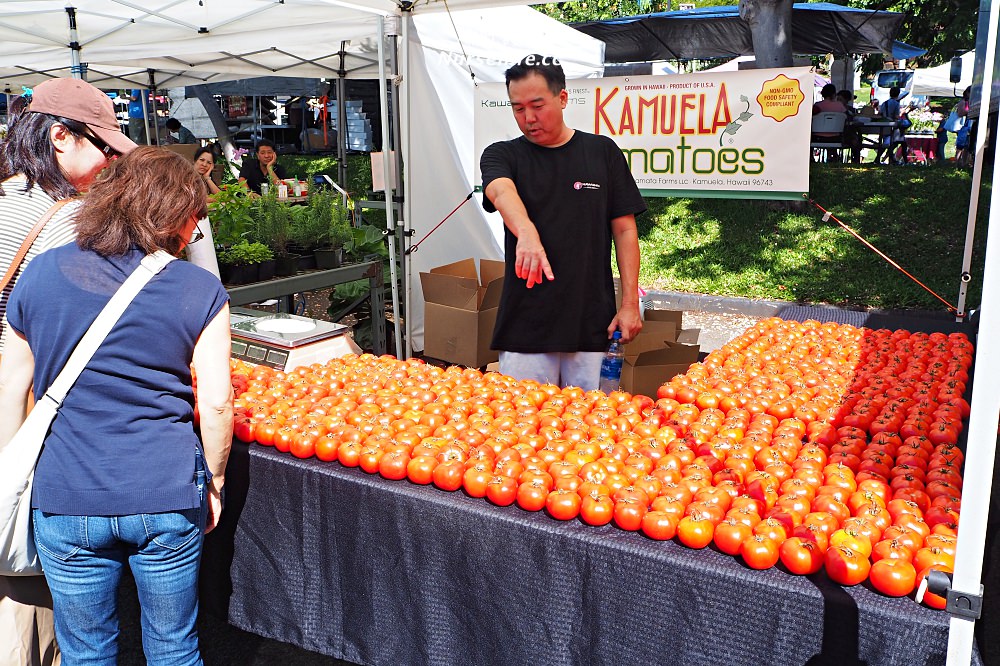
(933, 81)
(440, 92)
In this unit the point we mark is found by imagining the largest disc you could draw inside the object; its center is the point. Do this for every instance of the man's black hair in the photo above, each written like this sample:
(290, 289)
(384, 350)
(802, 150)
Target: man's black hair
(894, 92)
(547, 67)
(268, 143)
(173, 124)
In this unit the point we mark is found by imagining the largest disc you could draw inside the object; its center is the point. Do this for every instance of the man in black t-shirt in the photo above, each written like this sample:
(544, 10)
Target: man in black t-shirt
(564, 196)
(264, 169)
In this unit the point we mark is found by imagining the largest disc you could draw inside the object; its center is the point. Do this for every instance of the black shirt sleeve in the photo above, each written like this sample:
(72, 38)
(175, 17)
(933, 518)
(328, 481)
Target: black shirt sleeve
(626, 199)
(496, 162)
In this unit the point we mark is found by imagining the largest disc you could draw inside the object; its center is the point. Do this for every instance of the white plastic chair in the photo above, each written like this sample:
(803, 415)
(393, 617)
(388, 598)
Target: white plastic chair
(827, 122)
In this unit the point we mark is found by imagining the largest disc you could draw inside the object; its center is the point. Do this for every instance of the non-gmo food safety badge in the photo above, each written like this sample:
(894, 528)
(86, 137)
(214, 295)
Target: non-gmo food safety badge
(780, 97)
(579, 185)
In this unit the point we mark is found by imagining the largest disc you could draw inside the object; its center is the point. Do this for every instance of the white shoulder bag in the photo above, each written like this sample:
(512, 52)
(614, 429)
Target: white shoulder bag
(18, 458)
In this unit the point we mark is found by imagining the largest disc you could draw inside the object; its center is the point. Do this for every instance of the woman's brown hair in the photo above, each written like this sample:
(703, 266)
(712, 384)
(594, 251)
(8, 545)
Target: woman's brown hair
(144, 199)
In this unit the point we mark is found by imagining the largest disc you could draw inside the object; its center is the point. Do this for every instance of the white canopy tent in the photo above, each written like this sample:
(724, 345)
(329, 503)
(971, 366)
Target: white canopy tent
(186, 42)
(935, 81)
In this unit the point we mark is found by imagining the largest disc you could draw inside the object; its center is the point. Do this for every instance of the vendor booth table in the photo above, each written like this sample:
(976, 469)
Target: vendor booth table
(387, 572)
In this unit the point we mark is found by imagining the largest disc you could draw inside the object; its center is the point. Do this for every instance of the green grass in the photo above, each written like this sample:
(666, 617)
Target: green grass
(915, 215)
(773, 250)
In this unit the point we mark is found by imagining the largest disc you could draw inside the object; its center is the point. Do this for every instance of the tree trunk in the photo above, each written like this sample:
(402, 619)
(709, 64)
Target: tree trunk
(771, 31)
(218, 121)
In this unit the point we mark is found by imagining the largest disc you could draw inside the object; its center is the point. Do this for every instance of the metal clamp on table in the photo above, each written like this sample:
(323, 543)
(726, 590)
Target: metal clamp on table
(284, 289)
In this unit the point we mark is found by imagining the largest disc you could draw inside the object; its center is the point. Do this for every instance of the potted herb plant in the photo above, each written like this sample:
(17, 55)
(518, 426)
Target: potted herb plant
(240, 263)
(272, 222)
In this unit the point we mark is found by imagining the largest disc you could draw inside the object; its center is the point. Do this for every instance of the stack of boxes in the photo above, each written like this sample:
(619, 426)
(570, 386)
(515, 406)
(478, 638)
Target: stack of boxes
(359, 128)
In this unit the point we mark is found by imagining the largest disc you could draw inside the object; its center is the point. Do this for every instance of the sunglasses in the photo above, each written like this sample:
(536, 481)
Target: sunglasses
(109, 152)
(196, 236)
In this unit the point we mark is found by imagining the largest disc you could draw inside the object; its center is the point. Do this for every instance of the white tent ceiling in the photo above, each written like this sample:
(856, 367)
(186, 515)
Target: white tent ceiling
(188, 42)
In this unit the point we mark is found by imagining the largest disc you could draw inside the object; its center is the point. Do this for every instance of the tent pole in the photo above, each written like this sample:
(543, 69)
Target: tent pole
(982, 441)
(398, 165)
(404, 157)
(977, 177)
(156, 121)
(77, 69)
(390, 213)
(341, 120)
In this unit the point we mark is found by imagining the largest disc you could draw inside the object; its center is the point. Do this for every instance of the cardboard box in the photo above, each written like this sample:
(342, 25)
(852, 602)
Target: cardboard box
(662, 350)
(650, 361)
(658, 321)
(461, 310)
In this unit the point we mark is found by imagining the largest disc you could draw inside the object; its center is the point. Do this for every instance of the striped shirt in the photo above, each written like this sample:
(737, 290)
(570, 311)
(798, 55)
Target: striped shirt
(19, 211)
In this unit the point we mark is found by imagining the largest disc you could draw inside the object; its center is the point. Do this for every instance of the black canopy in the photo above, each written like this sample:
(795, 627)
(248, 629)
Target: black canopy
(719, 32)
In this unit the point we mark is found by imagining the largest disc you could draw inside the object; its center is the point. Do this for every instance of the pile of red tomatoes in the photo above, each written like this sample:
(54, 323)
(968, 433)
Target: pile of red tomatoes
(819, 446)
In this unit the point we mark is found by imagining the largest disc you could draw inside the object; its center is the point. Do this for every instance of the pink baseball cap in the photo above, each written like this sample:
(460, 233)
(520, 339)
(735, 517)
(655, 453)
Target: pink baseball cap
(78, 100)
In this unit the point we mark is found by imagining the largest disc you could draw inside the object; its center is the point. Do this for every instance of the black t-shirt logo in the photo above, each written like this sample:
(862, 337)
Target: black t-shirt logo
(579, 185)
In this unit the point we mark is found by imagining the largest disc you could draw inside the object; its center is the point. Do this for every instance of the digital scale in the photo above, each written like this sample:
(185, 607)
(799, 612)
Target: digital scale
(285, 341)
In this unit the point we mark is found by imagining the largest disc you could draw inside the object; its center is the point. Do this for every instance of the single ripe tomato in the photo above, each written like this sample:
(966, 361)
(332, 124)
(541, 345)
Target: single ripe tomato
(846, 566)
(597, 509)
(327, 446)
(420, 469)
(448, 475)
(730, 535)
(531, 496)
(303, 445)
(563, 504)
(501, 490)
(244, 429)
(392, 465)
(659, 525)
(893, 577)
(801, 556)
(629, 513)
(695, 531)
(759, 552)
(474, 481)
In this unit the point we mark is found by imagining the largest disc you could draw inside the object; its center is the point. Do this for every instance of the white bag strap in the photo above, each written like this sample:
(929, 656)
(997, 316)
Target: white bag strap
(151, 265)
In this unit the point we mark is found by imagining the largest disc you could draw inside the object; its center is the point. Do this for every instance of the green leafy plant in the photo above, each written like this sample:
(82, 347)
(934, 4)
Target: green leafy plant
(230, 213)
(324, 223)
(245, 253)
(271, 223)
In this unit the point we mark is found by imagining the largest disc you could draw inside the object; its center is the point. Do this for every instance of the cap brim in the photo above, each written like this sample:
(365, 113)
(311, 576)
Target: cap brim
(116, 139)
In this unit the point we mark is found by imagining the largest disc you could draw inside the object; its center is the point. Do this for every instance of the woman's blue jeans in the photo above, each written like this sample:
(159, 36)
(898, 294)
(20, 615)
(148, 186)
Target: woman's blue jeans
(83, 558)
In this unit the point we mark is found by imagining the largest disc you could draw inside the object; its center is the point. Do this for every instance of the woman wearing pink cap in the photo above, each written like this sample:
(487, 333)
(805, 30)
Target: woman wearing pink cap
(59, 139)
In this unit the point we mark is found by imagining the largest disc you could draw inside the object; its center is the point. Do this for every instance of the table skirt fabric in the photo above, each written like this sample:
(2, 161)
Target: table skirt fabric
(389, 573)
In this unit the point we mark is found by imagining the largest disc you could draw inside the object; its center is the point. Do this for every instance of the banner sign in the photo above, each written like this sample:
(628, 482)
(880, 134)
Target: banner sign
(741, 134)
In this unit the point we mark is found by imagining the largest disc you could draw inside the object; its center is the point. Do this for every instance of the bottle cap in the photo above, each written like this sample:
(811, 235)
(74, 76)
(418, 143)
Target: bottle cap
(617, 335)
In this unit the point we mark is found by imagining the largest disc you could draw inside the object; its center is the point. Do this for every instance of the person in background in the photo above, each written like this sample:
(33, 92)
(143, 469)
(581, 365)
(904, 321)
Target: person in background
(136, 117)
(892, 110)
(851, 136)
(124, 479)
(203, 254)
(184, 135)
(264, 169)
(58, 140)
(829, 103)
(204, 163)
(564, 196)
(965, 137)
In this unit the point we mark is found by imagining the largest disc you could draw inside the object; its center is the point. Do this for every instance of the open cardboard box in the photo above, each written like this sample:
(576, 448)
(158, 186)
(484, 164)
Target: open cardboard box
(650, 361)
(461, 310)
(662, 350)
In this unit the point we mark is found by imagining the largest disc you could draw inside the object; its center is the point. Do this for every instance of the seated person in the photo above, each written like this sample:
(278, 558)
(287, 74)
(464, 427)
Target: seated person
(184, 135)
(204, 163)
(264, 169)
(828, 104)
(851, 136)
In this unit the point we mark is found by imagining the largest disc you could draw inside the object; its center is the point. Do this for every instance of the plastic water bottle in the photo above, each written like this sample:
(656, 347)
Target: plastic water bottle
(611, 366)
